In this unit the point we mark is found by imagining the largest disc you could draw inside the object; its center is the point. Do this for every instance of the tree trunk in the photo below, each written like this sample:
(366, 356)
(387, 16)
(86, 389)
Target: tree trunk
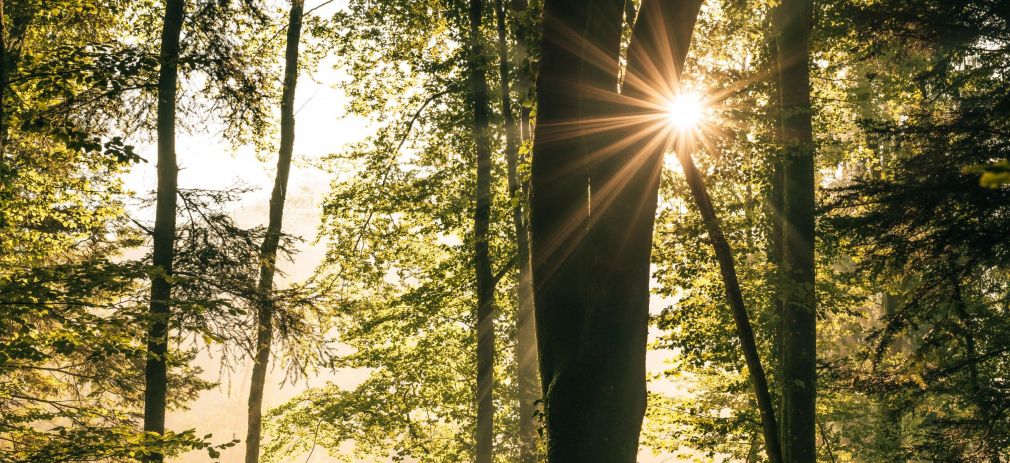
(4, 79)
(526, 353)
(798, 350)
(482, 260)
(624, 190)
(522, 25)
(268, 250)
(591, 264)
(156, 369)
(888, 437)
(735, 297)
(586, 421)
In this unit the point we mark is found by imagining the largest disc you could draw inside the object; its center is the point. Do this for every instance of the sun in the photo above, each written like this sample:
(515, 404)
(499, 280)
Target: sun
(685, 111)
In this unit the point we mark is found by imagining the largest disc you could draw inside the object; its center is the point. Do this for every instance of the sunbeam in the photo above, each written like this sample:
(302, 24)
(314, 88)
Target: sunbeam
(685, 111)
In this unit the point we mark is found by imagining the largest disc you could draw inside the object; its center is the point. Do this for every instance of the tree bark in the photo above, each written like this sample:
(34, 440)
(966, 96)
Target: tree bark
(482, 260)
(735, 297)
(798, 331)
(594, 193)
(156, 369)
(624, 189)
(268, 249)
(581, 413)
(526, 353)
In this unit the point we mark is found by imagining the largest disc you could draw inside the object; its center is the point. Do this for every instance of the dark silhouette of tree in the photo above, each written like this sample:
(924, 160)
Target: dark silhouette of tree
(485, 281)
(265, 310)
(798, 349)
(593, 203)
(156, 369)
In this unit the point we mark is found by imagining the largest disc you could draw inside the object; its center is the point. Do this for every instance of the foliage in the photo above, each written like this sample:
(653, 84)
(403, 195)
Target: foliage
(71, 350)
(398, 223)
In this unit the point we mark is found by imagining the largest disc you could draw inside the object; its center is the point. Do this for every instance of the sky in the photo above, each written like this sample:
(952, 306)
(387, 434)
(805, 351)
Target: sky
(322, 128)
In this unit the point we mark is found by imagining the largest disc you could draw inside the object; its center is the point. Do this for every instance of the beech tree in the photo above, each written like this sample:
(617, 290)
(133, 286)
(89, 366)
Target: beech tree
(593, 200)
(265, 310)
(798, 362)
(156, 370)
(485, 283)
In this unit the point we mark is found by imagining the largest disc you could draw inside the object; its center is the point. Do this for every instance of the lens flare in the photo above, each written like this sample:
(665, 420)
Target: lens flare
(685, 111)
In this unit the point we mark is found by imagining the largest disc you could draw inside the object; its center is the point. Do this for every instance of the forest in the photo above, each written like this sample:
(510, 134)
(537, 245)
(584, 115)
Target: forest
(505, 231)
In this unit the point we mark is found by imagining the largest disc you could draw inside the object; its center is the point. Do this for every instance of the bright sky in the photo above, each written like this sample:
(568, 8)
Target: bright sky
(322, 128)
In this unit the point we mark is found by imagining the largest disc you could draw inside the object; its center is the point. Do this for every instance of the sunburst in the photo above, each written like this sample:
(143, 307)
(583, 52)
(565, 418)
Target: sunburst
(685, 111)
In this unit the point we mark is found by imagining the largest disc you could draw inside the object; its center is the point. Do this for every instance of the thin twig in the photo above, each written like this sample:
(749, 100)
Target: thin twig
(315, 438)
(827, 443)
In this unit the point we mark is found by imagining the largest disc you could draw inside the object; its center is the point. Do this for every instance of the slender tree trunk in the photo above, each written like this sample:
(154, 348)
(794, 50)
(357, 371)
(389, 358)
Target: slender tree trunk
(156, 370)
(522, 27)
(888, 438)
(735, 297)
(268, 250)
(798, 351)
(482, 260)
(4, 80)
(525, 329)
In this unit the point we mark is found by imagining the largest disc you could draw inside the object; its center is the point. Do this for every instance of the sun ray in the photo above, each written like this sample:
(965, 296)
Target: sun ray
(685, 111)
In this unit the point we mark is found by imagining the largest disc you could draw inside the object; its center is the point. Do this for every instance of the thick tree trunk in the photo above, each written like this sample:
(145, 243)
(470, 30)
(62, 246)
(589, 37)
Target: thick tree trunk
(156, 369)
(735, 297)
(482, 260)
(798, 349)
(624, 189)
(526, 353)
(591, 264)
(268, 250)
(586, 420)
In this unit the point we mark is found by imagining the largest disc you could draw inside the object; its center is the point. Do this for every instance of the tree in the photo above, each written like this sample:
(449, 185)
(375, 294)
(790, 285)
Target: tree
(734, 294)
(526, 352)
(577, 429)
(156, 368)
(920, 222)
(268, 250)
(592, 213)
(482, 215)
(72, 321)
(798, 333)
(399, 226)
